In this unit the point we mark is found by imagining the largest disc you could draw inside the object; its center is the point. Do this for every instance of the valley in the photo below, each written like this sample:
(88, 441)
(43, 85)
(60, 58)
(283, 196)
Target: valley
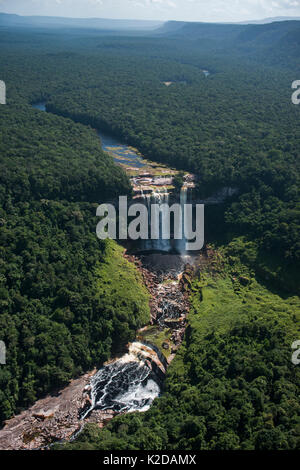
(140, 344)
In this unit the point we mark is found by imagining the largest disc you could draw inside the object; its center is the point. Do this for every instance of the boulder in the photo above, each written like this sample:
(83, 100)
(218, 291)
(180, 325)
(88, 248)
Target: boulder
(44, 414)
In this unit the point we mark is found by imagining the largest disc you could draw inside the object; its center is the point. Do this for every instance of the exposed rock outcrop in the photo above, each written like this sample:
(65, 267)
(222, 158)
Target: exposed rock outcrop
(50, 419)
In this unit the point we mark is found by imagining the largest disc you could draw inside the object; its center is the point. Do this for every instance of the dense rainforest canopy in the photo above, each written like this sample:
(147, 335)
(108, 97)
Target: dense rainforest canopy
(235, 128)
(233, 384)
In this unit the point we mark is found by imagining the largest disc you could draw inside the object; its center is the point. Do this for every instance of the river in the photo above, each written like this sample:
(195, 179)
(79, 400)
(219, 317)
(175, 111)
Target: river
(132, 382)
(121, 153)
(132, 161)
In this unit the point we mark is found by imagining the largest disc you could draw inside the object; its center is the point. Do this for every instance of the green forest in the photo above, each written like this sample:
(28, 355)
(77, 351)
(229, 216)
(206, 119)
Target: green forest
(69, 302)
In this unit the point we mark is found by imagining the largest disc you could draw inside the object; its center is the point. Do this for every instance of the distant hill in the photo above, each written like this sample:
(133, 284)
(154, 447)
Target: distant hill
(190, 30)
(271, 42)
(221, 31)
(96, 23)
(276, 43)
(272, 20)
(268, 33)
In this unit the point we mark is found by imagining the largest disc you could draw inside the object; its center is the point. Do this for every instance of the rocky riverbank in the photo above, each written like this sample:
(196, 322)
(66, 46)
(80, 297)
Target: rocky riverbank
(53, 418)
(168, 281)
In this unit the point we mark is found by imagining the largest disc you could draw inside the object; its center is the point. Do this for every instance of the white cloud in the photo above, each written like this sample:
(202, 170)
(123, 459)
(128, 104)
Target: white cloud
(154, 3)
(192, 10)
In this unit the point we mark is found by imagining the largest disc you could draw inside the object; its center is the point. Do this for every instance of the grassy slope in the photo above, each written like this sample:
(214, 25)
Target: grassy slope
(226, 301)
(120, 286)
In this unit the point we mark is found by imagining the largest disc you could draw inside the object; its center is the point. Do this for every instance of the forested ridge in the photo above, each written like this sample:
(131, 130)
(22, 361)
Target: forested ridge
(232, 385)
(274, 43)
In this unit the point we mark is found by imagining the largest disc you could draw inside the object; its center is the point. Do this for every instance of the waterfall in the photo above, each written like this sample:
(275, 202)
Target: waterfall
(130, 383)
(163, 243)
(180, 244)
(146, 244)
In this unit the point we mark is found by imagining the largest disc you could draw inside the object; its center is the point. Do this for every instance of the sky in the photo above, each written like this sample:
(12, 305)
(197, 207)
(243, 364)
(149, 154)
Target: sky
(185, 10)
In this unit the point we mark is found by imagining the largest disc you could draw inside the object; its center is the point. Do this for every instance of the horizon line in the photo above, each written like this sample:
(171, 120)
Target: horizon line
(282, 19)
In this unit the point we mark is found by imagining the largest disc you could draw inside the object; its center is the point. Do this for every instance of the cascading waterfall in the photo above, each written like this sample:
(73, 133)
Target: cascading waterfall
(163, 242)
(130, 383)
(148, 243)
(180, 244)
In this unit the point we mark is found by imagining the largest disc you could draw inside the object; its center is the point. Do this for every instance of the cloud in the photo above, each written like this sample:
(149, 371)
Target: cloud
(155, 3)
(186, 10)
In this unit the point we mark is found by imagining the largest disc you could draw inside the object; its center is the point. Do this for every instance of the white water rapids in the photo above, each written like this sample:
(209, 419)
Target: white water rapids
(130, 383)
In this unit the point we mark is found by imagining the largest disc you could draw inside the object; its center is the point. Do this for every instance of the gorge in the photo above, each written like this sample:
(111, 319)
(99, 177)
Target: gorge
(130, 382)
(133, 381)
